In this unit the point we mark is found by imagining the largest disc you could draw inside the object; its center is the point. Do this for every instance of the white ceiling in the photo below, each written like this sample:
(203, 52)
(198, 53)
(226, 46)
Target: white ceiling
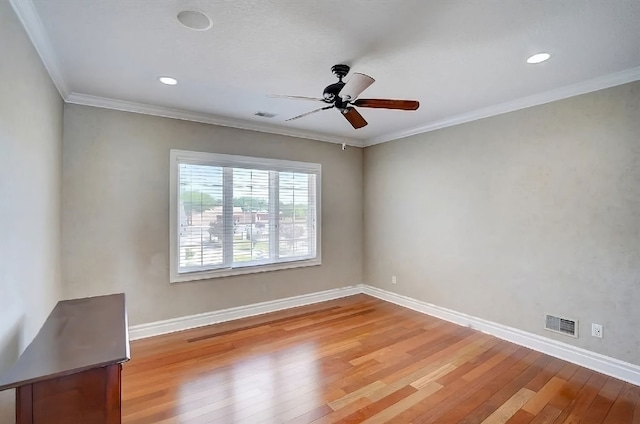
(461, 59)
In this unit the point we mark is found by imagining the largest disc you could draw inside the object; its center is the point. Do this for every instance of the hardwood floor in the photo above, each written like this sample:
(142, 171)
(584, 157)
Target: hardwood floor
(360, 360)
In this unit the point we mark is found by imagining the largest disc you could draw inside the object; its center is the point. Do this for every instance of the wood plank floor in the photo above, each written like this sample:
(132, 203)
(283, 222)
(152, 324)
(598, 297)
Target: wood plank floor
(360, 360)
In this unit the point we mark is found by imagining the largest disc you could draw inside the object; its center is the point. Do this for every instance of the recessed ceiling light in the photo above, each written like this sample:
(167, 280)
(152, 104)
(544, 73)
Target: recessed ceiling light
(538, 58)
(196, 21)
(168, 80)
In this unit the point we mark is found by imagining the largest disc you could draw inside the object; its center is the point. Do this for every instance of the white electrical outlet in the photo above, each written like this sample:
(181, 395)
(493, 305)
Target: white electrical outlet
(596, 330)
(393, 279)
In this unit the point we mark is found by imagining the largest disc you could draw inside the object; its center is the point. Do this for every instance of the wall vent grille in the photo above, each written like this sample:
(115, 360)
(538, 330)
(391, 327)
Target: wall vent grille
(561, 325)
(266, 114)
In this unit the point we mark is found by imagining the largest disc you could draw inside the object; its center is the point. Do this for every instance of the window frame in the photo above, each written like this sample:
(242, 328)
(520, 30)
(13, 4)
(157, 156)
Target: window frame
(225, 160)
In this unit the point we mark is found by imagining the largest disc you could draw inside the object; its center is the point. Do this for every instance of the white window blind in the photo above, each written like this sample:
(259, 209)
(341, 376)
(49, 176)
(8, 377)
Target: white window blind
(235, 214)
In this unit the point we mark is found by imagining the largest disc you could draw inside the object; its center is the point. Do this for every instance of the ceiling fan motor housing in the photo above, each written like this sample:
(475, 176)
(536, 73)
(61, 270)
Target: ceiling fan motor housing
(330, 93)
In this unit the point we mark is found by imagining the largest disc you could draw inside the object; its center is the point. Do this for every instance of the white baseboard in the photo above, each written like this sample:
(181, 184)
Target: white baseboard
(157, 328)
(594, 361)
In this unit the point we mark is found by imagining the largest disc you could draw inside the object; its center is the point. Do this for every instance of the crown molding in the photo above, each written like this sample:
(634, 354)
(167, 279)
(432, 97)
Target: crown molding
(28, 15)
(146, 109)
(595, 84)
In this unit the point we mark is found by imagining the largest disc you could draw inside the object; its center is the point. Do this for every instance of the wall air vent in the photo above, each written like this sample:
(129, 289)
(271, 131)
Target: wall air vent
(561, 325)
(265, 114)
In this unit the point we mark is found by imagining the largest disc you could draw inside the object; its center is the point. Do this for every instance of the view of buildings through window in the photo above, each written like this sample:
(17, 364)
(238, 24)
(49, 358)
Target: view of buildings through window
(233, 217)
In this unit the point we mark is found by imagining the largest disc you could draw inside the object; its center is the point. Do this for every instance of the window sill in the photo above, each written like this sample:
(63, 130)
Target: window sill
(229, 272)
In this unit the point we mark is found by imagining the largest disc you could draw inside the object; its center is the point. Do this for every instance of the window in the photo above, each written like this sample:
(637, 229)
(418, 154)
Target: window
(236, 214)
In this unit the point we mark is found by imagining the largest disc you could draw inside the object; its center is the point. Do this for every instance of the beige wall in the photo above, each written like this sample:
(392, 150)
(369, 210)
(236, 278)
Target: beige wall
(506, 218)
(514, 216)
(30, 194)
(116, 213)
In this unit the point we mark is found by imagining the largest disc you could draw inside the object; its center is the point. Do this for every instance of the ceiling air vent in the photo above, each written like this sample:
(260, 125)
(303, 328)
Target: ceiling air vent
(265, 114)
(561, 325)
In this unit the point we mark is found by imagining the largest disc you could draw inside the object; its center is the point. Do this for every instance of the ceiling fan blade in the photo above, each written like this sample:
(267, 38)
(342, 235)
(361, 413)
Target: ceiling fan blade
(282, 96)
(388, 104)
(357, 84)
(309, 113)
(354, 117)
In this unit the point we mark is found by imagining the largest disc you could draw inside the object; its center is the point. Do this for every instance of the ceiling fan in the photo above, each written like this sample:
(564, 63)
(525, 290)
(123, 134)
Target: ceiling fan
(344, 96)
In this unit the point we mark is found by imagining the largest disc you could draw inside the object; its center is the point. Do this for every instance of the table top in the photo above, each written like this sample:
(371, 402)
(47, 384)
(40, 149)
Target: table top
(78, 335)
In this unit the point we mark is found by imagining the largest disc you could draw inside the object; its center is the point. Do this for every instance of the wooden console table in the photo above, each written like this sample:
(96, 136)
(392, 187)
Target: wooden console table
(70, 373)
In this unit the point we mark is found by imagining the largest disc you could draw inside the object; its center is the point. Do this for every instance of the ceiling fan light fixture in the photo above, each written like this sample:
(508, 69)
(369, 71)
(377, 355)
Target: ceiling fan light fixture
(538, 58)
(194, 20)
(168, 80)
